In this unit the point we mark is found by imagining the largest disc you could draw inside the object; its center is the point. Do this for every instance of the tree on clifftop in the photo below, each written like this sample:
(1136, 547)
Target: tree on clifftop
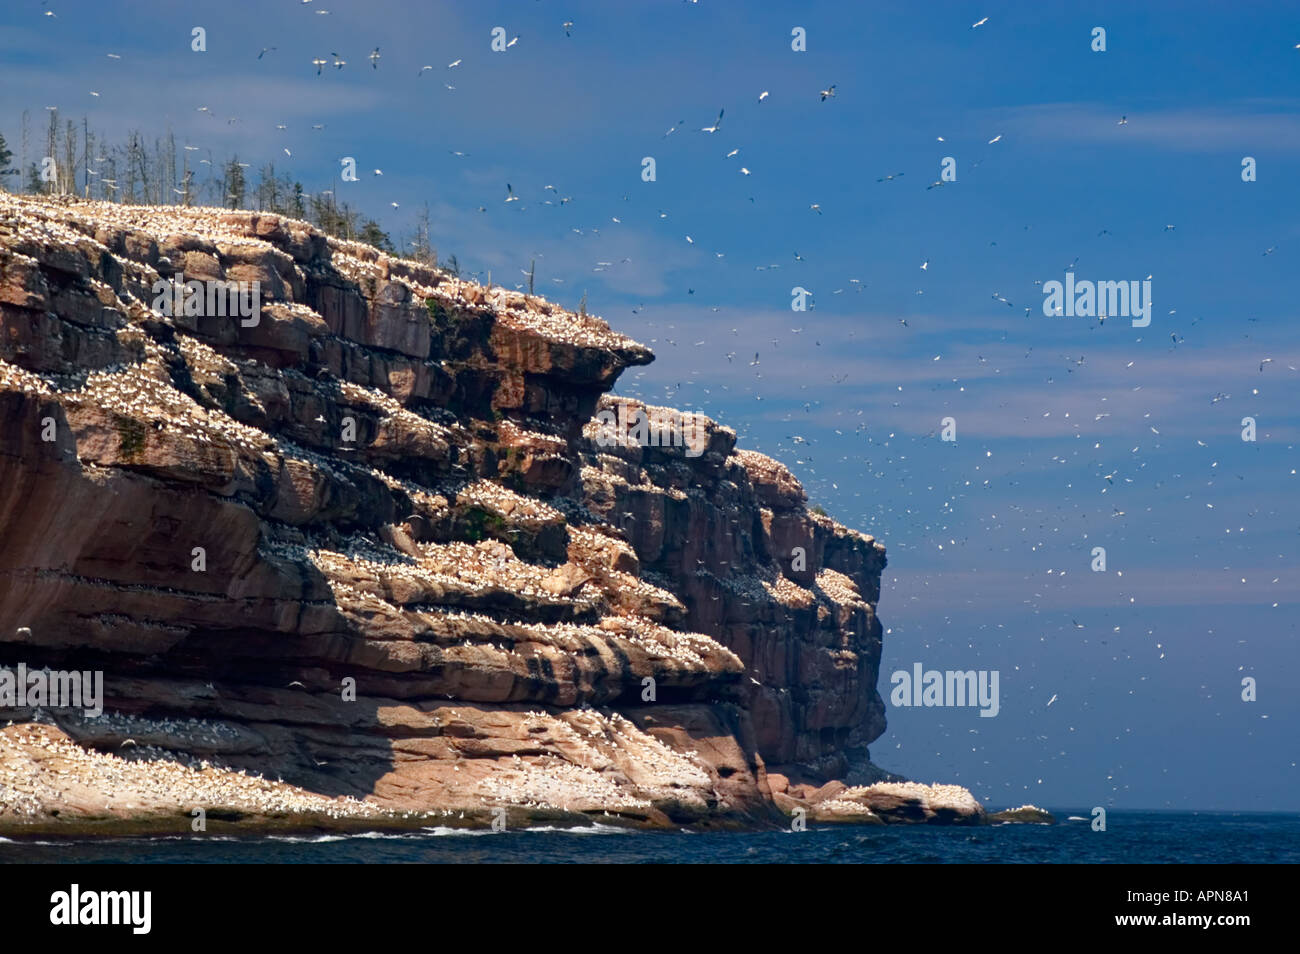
(233, 184)
(5, 156)
(372, 234)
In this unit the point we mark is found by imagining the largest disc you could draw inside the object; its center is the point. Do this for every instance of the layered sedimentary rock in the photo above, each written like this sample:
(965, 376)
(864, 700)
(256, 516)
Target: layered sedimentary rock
(373, 544)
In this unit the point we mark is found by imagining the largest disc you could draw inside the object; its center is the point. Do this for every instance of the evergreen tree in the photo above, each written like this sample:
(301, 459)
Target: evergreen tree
(234, 185)
(372, 234)
(6, 156)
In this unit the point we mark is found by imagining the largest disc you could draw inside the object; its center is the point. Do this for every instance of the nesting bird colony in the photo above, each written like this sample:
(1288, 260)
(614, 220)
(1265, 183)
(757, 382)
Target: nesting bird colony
(391, 477)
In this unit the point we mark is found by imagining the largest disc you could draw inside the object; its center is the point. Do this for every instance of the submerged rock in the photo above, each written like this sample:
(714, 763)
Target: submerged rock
(1024, 815)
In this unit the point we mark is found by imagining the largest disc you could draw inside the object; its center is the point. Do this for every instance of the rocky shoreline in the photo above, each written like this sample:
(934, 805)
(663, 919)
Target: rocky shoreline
(377, 545)
(54, 788)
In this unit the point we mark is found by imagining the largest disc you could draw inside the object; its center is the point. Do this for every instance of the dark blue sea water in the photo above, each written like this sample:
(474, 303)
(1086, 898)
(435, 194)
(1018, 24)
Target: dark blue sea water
(1130, 838)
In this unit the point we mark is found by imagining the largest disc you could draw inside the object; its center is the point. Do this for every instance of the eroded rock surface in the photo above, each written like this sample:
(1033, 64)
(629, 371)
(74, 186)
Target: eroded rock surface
(392, 481)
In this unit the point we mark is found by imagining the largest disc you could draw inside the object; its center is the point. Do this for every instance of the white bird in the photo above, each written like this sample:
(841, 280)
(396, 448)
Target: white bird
(379, 172)
(374, 58)
(510, 194)
(925, 265)
(980, 23)
(828, 92)
(512, 43)
(763, 95)
(1051, 700)
(716, 123)
(452, 66)
(296, 683)
(995, 139)
(730, 154)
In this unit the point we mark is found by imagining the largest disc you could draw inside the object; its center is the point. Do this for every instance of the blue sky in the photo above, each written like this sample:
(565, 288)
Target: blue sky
(990, 536)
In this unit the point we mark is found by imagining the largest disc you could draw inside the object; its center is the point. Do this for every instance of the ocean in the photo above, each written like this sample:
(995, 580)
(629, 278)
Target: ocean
(1130, 838)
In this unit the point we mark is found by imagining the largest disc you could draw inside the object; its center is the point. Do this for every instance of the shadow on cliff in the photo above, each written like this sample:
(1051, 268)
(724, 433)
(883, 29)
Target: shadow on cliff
(243, 663)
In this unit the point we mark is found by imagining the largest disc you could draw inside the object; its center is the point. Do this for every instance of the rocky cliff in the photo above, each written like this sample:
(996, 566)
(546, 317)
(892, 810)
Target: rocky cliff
(374, 544)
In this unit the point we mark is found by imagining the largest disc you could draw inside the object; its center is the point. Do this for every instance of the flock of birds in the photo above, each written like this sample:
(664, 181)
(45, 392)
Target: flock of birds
(928, 524)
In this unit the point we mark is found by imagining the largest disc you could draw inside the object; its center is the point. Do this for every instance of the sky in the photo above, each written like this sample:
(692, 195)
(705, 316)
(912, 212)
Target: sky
(1120, 688)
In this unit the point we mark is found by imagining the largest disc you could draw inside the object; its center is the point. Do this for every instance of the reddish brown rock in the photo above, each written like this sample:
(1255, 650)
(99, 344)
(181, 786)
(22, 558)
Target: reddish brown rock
(372, 545)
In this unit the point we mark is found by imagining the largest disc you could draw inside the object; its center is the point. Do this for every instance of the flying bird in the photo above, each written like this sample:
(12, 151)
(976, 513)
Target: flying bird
(980, 23)
(374, 58)
(716, 123)
(828, 92)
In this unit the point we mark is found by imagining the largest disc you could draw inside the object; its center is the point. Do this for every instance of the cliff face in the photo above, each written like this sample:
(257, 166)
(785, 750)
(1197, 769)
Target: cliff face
(392, 482)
